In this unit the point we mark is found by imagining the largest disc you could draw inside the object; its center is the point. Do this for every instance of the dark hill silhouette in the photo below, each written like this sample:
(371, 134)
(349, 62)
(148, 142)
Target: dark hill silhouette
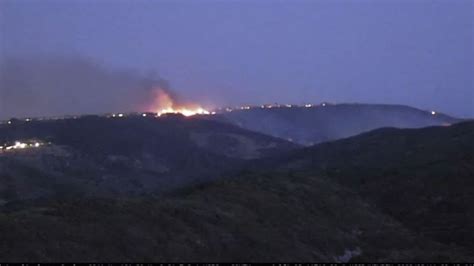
(319, 123)
(129, 155)
(421, 177)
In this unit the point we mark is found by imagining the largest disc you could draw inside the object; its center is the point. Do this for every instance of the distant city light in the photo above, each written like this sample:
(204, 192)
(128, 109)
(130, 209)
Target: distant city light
(433, 113)
(19, 145)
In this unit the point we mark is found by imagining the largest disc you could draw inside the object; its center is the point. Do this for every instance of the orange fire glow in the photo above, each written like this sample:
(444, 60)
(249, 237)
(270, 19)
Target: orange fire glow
(165, 104)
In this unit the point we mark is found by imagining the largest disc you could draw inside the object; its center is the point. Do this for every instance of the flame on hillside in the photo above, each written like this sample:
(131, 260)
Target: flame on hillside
(165, 104)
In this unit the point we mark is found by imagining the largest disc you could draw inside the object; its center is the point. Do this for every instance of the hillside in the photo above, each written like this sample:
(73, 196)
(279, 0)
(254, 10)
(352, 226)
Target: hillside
(254, 218)
(421, 177)
(385, 196)
(320, 123)
(122, 156)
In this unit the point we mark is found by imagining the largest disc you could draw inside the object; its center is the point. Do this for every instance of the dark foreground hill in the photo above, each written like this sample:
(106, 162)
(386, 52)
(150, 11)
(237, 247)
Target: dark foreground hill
(116, 156)
(424, 178)
(388, 195)
(255, 218)
(319, 123)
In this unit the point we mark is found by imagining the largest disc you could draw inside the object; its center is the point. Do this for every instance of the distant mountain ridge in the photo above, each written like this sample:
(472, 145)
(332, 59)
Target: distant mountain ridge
(318, 123)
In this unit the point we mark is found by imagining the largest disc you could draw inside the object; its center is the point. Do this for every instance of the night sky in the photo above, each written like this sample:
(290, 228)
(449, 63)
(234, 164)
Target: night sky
(417, 53)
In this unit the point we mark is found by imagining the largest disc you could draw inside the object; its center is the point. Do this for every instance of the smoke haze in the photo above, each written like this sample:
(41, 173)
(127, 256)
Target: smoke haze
(60, 85)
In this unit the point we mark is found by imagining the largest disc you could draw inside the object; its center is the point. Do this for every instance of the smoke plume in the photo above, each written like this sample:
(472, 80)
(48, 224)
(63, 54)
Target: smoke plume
(50, 86)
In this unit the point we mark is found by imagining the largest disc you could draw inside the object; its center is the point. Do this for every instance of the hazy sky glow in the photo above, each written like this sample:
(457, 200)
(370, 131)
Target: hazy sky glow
(418, 53)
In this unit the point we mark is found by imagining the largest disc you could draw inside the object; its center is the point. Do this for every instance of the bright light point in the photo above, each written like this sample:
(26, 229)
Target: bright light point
(144, 115)
(307, 105)
(18, 145)
(433, 113)
(120, 115)
(9, 122)
(323, 104)
(113, 115)
(27, 120)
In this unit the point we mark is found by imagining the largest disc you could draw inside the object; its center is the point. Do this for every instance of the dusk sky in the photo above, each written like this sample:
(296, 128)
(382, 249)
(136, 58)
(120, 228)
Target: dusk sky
(418, 53)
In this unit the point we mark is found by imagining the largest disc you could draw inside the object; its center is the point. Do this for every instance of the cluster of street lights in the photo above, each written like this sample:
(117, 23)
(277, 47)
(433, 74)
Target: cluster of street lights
(19, 145)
